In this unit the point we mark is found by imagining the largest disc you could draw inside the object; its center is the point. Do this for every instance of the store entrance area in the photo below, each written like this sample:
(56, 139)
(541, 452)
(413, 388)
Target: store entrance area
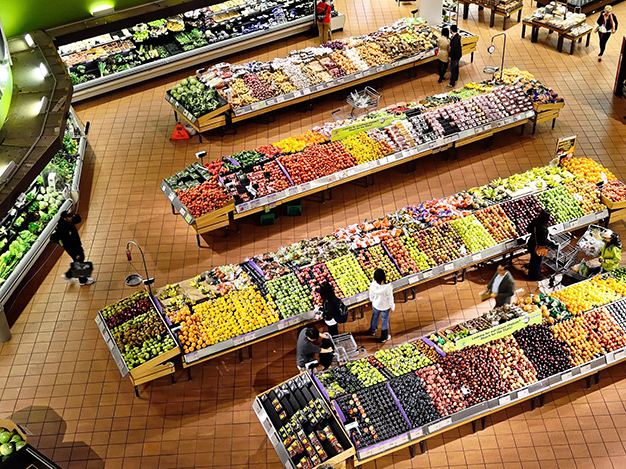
(58, 379)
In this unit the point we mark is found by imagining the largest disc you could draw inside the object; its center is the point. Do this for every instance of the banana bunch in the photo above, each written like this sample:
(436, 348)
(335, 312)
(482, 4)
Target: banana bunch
(169, 291)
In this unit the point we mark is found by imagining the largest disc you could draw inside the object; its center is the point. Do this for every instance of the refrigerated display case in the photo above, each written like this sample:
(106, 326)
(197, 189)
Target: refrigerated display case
(130, 55)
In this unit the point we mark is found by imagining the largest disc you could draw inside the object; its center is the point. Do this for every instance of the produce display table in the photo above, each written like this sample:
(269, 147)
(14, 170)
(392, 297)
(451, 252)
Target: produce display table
(506, 14)
(400, 389)
(234, 197)
(34, 219)
(575, 36)
(573, 26)
(234, 306)
(211, 81)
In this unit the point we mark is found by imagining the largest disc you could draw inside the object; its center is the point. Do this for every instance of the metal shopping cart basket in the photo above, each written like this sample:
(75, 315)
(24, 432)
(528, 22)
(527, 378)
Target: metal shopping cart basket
(365, 100)
(346, 348)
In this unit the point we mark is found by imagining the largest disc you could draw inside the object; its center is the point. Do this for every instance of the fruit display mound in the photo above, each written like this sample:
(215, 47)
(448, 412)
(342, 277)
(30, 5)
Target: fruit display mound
(351, 279)
(363, 148)
(615, 191)
(474, 370)
(204, 198)
(548, 355)
(445, 395)
(440, 243)
(366, 372)
(10, 442)
(375, 257)
(290, 296)
(596, 292)
(473, 234)
(587, 194)
(496, 222)
(402, 359)
(377, 414)
(339, 380)
(401, 257)
(587, 168)
(415, 400)
(422, 261)
(126, 309)
(516, 370)
(313, 277)
(590, 335)
(618, 311)
(560, 204)
(522, 211)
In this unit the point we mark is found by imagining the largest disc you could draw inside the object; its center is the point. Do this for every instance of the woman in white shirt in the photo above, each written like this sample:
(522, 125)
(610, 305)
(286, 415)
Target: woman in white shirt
(381, 296)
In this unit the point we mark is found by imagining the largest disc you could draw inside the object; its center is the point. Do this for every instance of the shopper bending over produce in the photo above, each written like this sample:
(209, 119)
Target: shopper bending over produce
(333, 312)
(66, 235)
(381, 296)
(538, 244)
(307, 348)
(502, 286)
(606, 25)
(611, 253)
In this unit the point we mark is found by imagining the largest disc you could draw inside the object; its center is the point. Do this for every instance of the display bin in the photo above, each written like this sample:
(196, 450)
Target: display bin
(613, 205)
(542, 107)
(13, 427)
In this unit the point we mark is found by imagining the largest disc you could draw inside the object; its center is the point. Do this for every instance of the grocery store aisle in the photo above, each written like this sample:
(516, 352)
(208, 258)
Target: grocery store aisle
(58, 366)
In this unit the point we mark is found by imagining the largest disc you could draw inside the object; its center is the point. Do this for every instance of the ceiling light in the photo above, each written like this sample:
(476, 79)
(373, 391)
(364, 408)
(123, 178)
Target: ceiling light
(43, 105)
(102, 10)
(44, 70)
(29, 40)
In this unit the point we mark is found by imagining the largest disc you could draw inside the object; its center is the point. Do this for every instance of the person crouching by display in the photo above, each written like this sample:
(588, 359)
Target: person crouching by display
(381, 296)
(306, 348)
(538, 244)
(502, 286)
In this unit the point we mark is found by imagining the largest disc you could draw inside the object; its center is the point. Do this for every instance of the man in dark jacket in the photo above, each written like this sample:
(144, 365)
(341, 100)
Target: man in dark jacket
(502, 286)
(66, 235)
(456, 52)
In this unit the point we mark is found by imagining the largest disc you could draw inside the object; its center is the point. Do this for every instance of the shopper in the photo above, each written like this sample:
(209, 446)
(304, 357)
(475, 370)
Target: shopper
(381, 296)
(323, 21)
(538, 244)
(606, 25)
(66, 235)
(306, 347)
(334, 311)
(456, 52)
(443, 43)
(502, 286)
(611, 253)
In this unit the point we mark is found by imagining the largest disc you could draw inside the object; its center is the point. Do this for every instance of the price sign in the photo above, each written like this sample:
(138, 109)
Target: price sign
(405, 154)
(416, 433)
(306, 91)
(297, 93)
(585, 369)
(448, 267)
(239, 340)
(523, 393)
(476, 257)
(505, 400)
(280, 99)
(566, 376)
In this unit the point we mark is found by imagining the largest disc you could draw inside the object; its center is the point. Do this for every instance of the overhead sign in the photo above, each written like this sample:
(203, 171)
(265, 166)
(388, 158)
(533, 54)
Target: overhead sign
(344, 132)
(500, 330)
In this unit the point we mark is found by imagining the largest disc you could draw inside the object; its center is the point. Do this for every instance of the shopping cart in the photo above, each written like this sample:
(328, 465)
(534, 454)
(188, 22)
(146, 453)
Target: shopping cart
(361, 103)
(346, 348)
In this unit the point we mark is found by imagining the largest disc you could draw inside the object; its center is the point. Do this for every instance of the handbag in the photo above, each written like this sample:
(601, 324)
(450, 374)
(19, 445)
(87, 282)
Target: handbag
(595, 28)
(603, 29)
(541, 251)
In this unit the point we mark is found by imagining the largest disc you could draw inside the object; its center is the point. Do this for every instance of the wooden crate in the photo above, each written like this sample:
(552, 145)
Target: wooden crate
(214, 217)
(147, 369)
(163, 369)
(613, 205)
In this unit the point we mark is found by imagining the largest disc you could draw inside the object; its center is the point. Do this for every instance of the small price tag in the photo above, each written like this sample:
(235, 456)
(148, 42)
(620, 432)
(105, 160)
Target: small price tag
(297, 93)
(505, 400)
(405, 154)
(522, 393)
(476, 257)
(239, 340)
(417, 433)
(448, 267)
(280, 99)
(566, 376)
(585, 369)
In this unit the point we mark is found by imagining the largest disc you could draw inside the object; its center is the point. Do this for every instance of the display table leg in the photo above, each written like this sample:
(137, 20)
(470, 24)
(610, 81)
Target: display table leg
(597, 375)
(136, 391)
(465, 10)
(542, 400)
(571, 48)
(519, 16)
(198, 240)
(553, 123)
(559, 44)
(492, 20)
(480, 8)
(523, 31)
(474, 426)
(173, 210)
(472, 60)
(534, 34)
(463, 272)
(240, 355)
(523, 129)
(483, 422)
(504, 23)
(412, 451)
(249, 352)
(588, 39)
(362, 312)
(534, 125)
(172, 378)
(423, 446)
(406, 295)
(414, 291)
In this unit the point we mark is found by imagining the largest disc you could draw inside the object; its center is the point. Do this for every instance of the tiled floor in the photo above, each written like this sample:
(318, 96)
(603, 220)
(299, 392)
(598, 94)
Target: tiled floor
(56, 375)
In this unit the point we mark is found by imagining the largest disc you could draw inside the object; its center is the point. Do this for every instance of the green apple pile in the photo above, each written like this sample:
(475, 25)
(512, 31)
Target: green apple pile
(10, 442)
(150, 349)
(561, 204)
(348, 274)
(402, 359)
(289, 295)
(473, 234)
(135, 332)
(373, 258)
(422, 260)
(365, 372)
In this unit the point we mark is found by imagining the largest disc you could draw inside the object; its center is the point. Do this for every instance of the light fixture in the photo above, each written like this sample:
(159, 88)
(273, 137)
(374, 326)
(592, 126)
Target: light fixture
(492, 70)
(29, 40)
(42, 107)
(134, 280)
(200, 156)
(43, 70)
(102, 10)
